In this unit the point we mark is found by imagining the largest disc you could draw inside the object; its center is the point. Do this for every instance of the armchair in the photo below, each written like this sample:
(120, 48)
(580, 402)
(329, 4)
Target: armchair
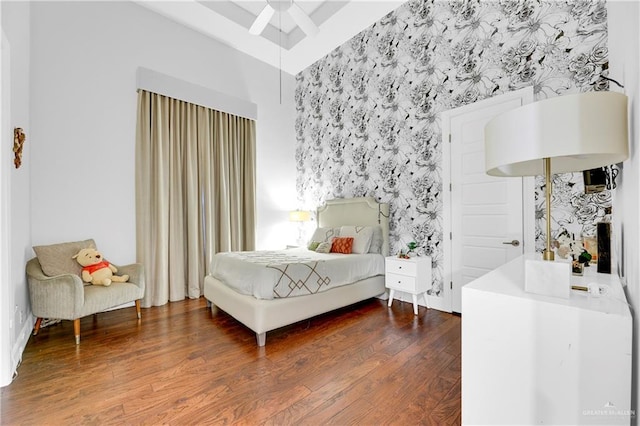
(57, 291)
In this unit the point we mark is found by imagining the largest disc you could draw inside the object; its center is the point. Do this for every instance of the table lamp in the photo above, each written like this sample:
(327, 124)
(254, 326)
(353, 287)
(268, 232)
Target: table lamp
(563, 134)
(299, 216)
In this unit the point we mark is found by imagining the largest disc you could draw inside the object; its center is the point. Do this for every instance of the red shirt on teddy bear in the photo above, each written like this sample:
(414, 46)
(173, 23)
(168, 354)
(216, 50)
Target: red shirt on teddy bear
(92, 268)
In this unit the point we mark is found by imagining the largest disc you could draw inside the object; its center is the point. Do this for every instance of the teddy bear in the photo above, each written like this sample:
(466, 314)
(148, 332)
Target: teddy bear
(96, 270)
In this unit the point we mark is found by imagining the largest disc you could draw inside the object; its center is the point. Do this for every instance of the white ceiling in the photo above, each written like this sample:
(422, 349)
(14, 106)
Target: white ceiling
(229, 20)
(255, 7)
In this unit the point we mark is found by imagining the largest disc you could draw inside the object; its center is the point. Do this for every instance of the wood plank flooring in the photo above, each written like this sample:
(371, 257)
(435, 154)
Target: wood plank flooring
(365, 365)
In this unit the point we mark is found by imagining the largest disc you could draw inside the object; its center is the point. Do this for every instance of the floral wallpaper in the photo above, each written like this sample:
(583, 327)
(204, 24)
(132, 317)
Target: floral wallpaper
(368, 122)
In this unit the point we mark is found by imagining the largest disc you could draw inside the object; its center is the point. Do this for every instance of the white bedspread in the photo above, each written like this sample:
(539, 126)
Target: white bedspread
(293, 272)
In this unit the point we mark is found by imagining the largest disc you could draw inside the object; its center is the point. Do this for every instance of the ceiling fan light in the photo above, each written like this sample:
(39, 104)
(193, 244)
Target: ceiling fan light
(262, 20)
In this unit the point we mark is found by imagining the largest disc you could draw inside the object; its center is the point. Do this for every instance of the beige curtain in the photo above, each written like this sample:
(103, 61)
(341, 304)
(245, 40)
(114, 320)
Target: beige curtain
(195, 193)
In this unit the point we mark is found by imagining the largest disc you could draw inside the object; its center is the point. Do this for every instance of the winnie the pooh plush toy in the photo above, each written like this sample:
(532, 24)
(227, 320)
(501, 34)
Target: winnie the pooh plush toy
(96, 270)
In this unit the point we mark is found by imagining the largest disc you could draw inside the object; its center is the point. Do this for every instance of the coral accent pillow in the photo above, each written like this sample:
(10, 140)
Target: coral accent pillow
(342, 245)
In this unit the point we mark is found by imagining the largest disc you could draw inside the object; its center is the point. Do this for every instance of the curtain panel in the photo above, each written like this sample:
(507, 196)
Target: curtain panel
(195, 193)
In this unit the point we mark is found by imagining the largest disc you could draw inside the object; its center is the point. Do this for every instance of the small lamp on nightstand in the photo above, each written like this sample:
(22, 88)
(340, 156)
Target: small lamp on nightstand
(300, 216)
(563, 134)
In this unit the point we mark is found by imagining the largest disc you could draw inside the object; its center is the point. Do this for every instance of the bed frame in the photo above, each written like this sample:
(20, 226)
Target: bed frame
(266, 315)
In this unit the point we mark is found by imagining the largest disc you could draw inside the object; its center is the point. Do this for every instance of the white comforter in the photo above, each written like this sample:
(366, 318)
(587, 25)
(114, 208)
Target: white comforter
(294, 272)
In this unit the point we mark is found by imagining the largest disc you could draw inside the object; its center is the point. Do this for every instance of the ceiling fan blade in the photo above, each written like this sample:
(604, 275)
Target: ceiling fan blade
(262, 20)
(303, 20)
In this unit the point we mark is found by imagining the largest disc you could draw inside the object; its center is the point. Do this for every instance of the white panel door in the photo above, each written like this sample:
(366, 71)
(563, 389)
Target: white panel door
(487, 224)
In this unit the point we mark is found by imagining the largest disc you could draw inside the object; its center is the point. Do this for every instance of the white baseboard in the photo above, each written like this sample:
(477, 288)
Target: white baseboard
(436, 303)
(383, 296)
(440, 303)
(20, 344)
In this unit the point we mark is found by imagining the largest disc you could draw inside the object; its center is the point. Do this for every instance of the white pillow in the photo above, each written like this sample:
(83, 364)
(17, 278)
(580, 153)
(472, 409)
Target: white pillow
(362, 236)
(324, 235)
(323, 248)
(376, 240)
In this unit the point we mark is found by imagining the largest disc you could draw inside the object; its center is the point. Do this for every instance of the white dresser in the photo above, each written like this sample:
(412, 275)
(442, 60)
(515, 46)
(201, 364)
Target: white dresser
(411, 276)
(532, 359)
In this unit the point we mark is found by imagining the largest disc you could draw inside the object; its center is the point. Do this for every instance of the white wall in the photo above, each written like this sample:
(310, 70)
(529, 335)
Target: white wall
(624, 62)
(6, 299)
(84, 61)
(15, 24)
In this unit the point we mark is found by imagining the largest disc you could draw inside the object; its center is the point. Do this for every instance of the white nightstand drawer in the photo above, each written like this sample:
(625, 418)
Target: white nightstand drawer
(400, 282)
(401, 266)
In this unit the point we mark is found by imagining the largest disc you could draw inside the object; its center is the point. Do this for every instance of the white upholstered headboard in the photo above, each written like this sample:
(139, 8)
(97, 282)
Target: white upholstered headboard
(362, 211)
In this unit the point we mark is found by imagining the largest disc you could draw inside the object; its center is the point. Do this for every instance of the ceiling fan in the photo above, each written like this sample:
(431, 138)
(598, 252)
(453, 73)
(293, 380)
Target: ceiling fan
(301, 19)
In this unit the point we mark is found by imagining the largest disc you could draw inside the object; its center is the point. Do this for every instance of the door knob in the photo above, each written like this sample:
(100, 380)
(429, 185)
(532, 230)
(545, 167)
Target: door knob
(514, 243)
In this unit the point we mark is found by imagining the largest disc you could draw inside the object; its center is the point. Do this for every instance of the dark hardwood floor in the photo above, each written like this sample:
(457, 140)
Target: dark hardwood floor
(364, 365)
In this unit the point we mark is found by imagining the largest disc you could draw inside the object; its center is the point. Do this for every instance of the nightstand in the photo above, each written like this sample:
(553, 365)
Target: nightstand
(408, 275)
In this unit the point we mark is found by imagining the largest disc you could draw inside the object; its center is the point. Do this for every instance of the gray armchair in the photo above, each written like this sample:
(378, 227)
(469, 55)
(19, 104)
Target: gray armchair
(56, 290)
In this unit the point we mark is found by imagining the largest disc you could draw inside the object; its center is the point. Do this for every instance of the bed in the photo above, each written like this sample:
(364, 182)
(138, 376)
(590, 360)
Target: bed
(269, 313)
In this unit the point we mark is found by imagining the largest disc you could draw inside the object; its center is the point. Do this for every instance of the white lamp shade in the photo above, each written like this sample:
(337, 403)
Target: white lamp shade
(577, 132)
(299, 216)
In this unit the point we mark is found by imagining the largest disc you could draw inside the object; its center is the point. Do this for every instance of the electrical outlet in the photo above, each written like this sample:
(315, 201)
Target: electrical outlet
(21, 317)
(10, 324)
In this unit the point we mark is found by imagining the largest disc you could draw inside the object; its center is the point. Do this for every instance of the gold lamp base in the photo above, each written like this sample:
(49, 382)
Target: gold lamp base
(547, 254)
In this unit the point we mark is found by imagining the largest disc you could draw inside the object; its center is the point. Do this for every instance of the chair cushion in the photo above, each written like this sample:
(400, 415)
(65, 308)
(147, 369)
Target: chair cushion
(98, 298)
(56, 259)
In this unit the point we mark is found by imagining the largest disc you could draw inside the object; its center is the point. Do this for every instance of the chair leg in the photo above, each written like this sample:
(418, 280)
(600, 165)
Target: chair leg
(138, 309)
(76, 330)
(36, 327)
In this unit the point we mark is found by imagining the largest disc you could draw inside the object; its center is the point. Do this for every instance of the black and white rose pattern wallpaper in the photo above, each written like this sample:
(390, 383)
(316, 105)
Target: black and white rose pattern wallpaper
(367, 120)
